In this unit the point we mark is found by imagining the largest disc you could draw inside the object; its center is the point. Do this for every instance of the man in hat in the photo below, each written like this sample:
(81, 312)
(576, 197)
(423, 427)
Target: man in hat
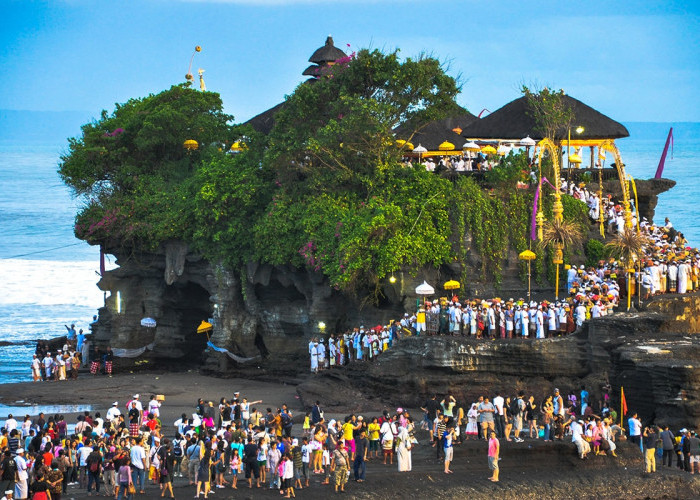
(113, 412)
(340, 465)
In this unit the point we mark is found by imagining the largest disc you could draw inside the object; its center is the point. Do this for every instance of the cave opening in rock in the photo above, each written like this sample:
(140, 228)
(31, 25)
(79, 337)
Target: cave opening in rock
(191, 304)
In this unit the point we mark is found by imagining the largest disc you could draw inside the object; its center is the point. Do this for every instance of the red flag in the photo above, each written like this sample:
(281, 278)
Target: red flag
(623, 401)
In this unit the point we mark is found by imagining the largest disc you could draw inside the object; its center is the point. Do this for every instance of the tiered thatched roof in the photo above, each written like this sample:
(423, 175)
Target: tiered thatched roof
(516, 120)
(324, 55)
(327, 53)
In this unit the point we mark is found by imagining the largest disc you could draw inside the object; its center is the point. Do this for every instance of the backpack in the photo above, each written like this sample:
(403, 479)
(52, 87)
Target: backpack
(514, 408)
(177, 449)
(286, 420)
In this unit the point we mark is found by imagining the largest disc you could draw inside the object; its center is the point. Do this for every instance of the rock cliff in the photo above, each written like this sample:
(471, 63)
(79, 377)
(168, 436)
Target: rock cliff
(658, 367)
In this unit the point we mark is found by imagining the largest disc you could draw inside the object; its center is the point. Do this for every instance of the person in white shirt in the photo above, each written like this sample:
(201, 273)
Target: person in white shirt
(83, 453)
(181, 423)
(499, 417)
(36, 368)
(138, 457)
(154, 406)
(577, 431)
(21, 487)
(10, 424)
(113, 412)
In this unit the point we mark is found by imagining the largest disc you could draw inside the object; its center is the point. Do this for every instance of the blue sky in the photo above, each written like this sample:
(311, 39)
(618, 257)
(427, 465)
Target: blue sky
(633, 62)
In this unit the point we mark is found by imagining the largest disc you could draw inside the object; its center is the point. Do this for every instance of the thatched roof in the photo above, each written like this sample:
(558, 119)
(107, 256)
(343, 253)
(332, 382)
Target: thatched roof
(312, 70)
(434, 133)
(264, 122)
(515, 120)
(327, 53)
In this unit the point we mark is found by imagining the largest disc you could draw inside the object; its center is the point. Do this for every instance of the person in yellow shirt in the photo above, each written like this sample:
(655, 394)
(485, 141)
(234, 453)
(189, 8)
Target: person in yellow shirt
(420, 321)
(348, 429)
(373, 429)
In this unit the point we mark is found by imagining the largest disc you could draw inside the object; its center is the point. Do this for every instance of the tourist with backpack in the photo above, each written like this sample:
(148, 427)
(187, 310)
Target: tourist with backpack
(178, 445)
(94, 469)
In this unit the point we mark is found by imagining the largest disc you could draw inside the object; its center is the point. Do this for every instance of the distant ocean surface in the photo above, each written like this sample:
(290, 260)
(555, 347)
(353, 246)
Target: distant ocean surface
(48, 277)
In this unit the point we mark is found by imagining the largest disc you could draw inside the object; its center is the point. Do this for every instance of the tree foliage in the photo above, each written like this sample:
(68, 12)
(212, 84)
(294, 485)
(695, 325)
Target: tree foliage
(326, 190)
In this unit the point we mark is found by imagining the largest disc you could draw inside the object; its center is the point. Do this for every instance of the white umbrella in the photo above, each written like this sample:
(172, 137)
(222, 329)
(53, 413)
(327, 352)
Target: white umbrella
(148, 322)
(528, 141)
(471, 146)
(503, 150)
(420, 150)
(425, 289)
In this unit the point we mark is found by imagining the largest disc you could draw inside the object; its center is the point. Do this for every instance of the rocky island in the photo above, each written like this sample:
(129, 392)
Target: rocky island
(299, 217)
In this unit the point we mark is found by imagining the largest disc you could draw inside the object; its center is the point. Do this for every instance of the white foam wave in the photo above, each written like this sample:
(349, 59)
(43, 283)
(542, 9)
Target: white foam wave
(47, 283)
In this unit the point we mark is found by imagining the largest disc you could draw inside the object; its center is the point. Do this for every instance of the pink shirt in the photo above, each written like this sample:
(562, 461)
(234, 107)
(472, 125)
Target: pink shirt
(493, 447)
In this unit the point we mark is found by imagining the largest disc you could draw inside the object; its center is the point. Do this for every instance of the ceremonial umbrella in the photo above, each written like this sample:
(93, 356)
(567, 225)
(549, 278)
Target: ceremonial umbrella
(471, 146)
(528, 142)
(446, 146)
(451, 285)
(404, 144)
(205, 327)
(489, 150)
(420, 150)
(529, 256)
(190, 144)
(148, 322)
(425, 289)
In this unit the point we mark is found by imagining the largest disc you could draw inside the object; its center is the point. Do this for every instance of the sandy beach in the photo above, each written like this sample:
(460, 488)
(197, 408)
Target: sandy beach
(532, 469)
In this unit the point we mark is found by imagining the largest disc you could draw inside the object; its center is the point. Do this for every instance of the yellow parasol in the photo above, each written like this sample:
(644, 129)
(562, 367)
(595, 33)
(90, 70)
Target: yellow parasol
(575, 159)
(238, 146)
(446, 146)
(451, 285)
(527, 255)
(489, 150)
(205, 327)
(190, 144)
(404, 144)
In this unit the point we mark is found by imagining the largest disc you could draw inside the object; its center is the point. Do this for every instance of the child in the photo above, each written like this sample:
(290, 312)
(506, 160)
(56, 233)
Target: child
(307, 424)
(288, 476)
(124, 480)
(235, 467)
(326, 462)
(305, 457)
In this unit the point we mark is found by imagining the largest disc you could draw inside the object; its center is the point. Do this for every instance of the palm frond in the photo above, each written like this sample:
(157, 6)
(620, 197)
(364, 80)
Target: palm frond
(628, 246)
(563, 232)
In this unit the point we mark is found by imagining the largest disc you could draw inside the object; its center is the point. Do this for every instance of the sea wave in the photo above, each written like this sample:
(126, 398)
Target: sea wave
(49, 282)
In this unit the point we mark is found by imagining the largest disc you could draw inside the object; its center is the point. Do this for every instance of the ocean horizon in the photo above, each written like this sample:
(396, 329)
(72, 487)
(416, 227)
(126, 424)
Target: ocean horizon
(48, 277)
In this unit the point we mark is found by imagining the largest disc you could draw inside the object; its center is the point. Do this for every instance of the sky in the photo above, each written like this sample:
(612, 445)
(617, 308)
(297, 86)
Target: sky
(634, 61)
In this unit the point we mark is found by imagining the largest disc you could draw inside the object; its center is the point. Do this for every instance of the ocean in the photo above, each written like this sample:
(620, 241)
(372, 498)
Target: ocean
(48, 277)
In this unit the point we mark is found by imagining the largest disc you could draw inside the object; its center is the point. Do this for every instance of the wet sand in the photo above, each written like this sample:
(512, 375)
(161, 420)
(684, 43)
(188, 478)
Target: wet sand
(532, 469)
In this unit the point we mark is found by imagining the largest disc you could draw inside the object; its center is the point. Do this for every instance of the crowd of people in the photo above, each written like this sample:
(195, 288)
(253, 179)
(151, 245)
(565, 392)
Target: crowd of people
(668, 266)
(77, 352)
(235, 444)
